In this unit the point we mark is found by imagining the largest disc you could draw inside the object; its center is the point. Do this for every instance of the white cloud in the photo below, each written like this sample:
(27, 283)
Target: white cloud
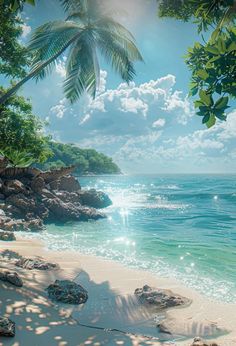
(60, 109)
(159, 123)
(60, 67)
(26, 29)
(141, 126)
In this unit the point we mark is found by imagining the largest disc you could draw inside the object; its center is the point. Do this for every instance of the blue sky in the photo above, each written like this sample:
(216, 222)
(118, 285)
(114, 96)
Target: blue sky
(148, 126)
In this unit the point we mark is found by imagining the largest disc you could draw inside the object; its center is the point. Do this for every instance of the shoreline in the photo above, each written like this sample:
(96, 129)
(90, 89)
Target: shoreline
(110, 286)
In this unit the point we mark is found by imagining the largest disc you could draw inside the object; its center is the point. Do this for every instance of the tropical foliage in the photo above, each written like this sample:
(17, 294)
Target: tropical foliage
(21, 137)
(87, 31)
(85, 160)
(211, 62)
(16, 5)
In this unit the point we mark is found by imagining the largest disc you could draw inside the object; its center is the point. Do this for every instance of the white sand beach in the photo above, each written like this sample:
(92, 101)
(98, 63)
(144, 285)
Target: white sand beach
(111, 305)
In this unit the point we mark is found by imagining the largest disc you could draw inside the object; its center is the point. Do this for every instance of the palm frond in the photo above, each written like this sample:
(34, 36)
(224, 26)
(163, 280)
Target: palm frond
(83, 72)
(49, 39)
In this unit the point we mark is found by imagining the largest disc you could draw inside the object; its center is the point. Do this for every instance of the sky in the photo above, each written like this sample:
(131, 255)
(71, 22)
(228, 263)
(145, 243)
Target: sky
(148, 126)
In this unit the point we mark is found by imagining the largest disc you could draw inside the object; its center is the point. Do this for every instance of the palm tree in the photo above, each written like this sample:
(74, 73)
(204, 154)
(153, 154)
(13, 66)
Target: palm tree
(87, 31)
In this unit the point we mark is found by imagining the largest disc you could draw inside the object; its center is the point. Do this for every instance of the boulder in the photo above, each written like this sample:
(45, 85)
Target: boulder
(11, 277)
(35, 263)
(7, 236)
(28, 204)
(7, 327)
(199, 342)
(19, 225)
(67, 291)
(68, 183)
(37, 184)
(160, 298)
(11, 187)
(64, 212)
(68, 197)
(94, 199)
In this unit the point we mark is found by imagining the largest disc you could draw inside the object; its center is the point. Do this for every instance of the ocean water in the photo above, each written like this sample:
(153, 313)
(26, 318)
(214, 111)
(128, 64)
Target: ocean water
(176, 226)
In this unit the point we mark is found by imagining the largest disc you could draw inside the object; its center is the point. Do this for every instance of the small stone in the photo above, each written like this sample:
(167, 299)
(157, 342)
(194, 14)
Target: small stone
(160, 298)
(39, 264)
(67, 291)
(7, 236)
(11, 277)
(7, 327)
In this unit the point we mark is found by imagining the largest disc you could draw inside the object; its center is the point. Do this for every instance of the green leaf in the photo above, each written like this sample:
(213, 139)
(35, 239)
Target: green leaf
(221, 45)
(212, 49)
(222, 103)
(232, 47)
(206, 118)
(215, 34)
(202, 74)
(198, 104)
(211, 122)
(206, 98)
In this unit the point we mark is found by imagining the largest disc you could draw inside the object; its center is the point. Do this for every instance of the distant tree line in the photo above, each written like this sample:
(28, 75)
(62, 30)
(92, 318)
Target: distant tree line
(87, 161)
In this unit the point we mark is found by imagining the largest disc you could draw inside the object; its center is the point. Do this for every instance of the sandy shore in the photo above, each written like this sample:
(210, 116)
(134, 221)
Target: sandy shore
(110, 305)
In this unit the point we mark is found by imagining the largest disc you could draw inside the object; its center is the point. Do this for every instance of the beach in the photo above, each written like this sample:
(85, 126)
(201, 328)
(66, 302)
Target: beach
(110, 305)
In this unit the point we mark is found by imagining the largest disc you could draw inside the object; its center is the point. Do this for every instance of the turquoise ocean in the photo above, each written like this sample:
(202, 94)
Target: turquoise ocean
(176, 226)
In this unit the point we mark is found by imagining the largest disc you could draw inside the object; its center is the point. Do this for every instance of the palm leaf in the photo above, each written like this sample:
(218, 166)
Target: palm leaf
(48, 40)
(83, 72)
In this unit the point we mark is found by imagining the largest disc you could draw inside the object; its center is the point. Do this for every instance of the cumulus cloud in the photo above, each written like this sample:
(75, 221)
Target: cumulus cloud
(145, 125)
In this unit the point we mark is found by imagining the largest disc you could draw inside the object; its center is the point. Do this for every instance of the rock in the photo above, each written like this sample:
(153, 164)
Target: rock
(7, 327)
(37, 184)
(7, 236)
(68, 197)
(2, 197)
(199, 342)
(28, 204)
(11, 187)
(160, 298)
(69, 184)
(11, 277)
(64, 212)
(11, 225)
(94, 199)
(56, 174)
(35, 225)
(67, 291)
(35, 263)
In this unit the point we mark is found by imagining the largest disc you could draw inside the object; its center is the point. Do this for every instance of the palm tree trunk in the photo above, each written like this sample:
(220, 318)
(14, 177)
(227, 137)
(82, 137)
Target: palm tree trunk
(35, 71)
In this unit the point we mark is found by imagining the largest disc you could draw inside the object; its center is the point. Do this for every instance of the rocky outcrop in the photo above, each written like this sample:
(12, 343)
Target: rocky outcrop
(7, 327)
(95, 199)
(69, 184)
(11, 277)
(199, 342)
(30, 198)
(66, 291)
(35, 263)
(56, 174)
(160, 298)
(7, 236)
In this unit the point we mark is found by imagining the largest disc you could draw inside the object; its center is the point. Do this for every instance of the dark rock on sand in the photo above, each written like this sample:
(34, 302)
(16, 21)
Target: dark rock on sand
(68, 292)
(7, 327)
(7, 236)
(94, 199)
(199, 342)
(35, 263)
(160, 298)
(11, 277)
